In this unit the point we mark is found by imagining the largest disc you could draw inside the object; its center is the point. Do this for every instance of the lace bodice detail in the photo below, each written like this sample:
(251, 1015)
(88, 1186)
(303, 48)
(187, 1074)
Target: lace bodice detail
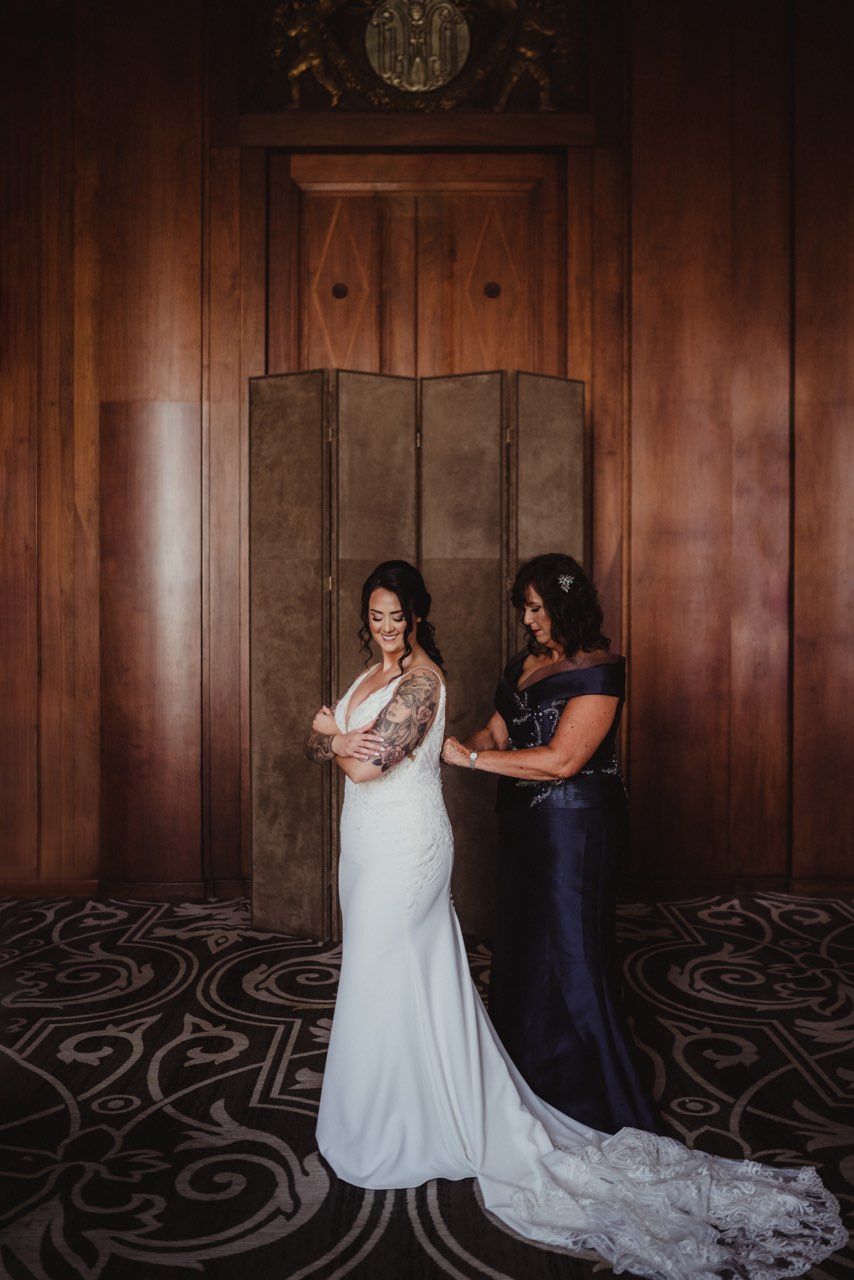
(400, 814)
(418, 771)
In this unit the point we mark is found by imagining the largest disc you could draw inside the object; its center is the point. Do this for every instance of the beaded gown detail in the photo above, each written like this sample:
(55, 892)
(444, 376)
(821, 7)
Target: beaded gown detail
(418, 1086)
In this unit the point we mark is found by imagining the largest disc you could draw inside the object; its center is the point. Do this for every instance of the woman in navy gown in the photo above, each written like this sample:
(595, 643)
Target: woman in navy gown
(555, 997)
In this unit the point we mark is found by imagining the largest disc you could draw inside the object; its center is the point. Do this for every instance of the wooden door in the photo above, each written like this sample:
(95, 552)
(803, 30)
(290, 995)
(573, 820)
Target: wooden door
(417, 264)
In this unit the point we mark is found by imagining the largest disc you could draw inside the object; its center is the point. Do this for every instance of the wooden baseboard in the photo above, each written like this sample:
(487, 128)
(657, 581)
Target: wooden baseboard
(823, 888)
(49, 889)
(631, 889)
(158, 891)
(649, 890)
(168, 892)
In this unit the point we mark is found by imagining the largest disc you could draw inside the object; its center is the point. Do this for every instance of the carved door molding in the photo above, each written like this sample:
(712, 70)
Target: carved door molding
(418, 264)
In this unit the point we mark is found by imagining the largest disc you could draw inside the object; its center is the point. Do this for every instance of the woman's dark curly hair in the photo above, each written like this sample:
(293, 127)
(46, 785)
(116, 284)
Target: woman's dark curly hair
(570, 600)
(404, 580)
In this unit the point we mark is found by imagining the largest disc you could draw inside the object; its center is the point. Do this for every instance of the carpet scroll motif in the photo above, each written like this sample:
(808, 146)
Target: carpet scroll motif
(160, 1068)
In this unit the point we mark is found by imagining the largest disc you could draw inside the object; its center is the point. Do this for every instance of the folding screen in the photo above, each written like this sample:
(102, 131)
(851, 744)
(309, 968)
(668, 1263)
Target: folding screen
(463, 475)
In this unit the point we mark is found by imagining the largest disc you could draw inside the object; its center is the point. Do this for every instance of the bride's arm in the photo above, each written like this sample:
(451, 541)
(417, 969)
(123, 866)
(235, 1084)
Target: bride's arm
(326, 741)
(401, 726)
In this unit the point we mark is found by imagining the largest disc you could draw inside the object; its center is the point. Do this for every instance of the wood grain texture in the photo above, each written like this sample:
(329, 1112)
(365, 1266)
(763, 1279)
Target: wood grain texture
(146, 229)
(416, 239)
(399, 284)
(150, 96)
(709, 447)
(85, 678)
(20, 141)
(490, 274)
(759, 412)
(107, 215)
(823, 672)
(150, 463)
(55, 434)
(341, 271)
(607, 392)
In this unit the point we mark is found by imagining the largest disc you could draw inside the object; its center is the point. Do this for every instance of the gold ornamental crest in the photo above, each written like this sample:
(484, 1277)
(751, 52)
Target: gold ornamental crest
(417, 55)
(417, 46)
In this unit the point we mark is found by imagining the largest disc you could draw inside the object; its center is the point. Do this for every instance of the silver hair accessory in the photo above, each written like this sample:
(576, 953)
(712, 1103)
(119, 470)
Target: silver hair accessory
(566, 580)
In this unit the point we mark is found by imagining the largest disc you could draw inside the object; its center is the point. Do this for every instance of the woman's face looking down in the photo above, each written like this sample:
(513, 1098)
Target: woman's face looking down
(387, 622)
(535, 617)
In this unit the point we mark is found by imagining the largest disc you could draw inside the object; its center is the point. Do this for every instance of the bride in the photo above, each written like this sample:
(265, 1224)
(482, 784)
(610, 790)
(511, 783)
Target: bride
(417, 1084)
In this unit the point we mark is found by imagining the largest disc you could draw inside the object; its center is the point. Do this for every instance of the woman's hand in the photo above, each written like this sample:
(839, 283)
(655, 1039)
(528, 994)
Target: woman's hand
(453, 752)
(358, 744)
(324, 722)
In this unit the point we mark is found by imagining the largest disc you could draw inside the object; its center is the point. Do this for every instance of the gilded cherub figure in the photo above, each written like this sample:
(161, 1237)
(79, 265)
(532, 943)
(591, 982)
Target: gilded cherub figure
(530, 56)
(301, 21)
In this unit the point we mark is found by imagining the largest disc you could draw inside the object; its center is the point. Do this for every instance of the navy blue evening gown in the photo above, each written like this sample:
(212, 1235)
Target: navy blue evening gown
(555, 992)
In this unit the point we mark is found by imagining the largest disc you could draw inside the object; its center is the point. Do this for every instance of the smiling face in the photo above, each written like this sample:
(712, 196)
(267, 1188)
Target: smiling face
(386, 622)
(535, 617)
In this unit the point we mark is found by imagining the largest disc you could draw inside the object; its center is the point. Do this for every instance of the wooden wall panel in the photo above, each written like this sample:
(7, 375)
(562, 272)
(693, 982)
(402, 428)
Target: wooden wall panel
(709, 445)
(19, 341)
(58, 858)
(150, 95)
(84, 603)
(597, 356)
(234, 308)
(108, 208)
(759, 412)
(823, 670)
(151, 653)
(149, 226)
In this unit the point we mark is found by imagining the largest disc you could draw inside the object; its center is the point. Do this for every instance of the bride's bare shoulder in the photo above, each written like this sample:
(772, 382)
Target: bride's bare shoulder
(423, 663)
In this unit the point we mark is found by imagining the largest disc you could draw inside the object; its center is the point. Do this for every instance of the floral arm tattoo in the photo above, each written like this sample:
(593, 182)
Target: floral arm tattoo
(318, 747)
(405, 719)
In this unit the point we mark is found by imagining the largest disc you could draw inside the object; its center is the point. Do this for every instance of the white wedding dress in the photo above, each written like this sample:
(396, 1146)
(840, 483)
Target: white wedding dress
(418, 1086)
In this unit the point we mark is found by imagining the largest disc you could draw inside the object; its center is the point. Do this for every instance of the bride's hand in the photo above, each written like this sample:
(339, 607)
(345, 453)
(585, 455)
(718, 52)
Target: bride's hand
(453, 752)
(324, 722)
(360, 744)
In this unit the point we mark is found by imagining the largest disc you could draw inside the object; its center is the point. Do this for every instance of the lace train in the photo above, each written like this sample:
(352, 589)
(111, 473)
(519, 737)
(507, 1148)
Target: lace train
(682, 1214)
(418, 1085)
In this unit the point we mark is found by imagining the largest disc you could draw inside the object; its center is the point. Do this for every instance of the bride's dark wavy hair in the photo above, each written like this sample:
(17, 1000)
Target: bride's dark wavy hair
(571, 602)
(404, 580)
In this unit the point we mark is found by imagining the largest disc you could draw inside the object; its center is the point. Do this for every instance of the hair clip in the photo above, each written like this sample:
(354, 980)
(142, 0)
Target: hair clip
(566, 580)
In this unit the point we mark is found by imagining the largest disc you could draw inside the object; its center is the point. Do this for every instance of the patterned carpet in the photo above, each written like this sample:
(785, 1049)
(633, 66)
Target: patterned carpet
(160, 1067)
